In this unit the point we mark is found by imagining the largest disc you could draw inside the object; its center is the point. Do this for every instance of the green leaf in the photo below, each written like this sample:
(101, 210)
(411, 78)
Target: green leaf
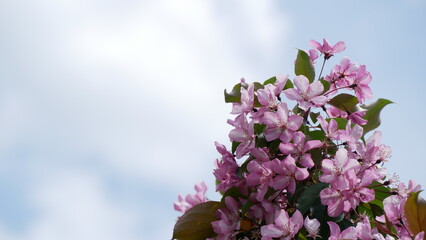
(308, 196)
(415, 211)
(373, 114)
(259, 128)
(345, 102)
(377, 210)
(288, 84)
(341, 122)
(304, 66)
(325, 84)
(381, 192)
(195, 224)
(316, 135)
(314, 117)
(234, 95)
(271, 80)
(234, 146)
(233, 192)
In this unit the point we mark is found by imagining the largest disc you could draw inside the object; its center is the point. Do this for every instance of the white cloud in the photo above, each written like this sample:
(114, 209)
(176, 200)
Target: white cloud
(138, 89)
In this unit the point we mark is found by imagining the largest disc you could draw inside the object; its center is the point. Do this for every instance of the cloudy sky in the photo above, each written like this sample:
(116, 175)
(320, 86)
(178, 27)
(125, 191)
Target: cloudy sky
(109, 109)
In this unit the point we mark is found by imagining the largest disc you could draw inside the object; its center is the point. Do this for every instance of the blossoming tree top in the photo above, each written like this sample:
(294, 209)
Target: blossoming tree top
(300, 165)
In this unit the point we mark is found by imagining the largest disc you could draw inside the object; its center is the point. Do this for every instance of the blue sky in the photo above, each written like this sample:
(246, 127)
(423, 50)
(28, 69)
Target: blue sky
(109, 109)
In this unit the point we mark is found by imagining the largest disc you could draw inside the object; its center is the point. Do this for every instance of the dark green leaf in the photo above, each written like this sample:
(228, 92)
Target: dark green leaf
(234, 95)
(373, 114)
(341, 122)
(233, 192)
(288, 84)
(259, 128)
(308, 196)
(234, 146)
(381, 192)
(195, 224)
(304, 66)
(257, 86)
(271, 80)
(376, 210)
(345, 102)
(260, 141)
(316, 135)
(314, 116)
(325, 84)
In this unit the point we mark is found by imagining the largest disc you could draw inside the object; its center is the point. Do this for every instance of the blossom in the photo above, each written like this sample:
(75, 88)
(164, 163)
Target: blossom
(335, 234)
(184, 204)
(299, 148)
(283, 226)
(327, 49)
(247, 100)
(341, 75)
(229, 221)
(330, 129)
(312, 226)
(242, 133)
(307, 95)
(268, 95)
(360, 85)
(334, 170)
(288, 173)
(280, 124)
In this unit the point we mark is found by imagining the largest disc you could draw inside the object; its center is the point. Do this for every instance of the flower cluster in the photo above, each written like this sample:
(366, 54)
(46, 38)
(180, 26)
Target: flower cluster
(300, 165)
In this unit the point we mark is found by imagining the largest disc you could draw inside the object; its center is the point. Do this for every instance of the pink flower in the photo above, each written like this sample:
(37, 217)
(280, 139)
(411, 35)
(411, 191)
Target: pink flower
(335, 234)
(327, 49)
(334, 170)
(360, 85)
(342, 75)
(243, 133)
(283, 226)
(229, 220)
(268, 95)
(307, 95)
(330, 129)
(313, 55)
(312, 226)
(288, 173)
(280, 124)
(299, 148)
(184, 204)
(260, 174)
(247, 100)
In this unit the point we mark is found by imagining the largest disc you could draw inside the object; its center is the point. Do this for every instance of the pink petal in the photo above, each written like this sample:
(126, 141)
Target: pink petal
(311, 145)
(301, 174)
(282, 112)
(316, 88)
(271, 231)
(319, 100)
(294, 122)
(339, 47)
(306, 160)
(286, 148)
(302, 83)
(272, 134)
(231, 204)
(334, 229)
(293, 94)
(315, 45)
(270, 119)
(349, 233)
(296, 221)
(281, 218)
(327, 166)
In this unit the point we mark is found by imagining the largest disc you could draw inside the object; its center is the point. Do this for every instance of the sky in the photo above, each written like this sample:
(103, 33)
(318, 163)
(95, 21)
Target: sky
(109, 109)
